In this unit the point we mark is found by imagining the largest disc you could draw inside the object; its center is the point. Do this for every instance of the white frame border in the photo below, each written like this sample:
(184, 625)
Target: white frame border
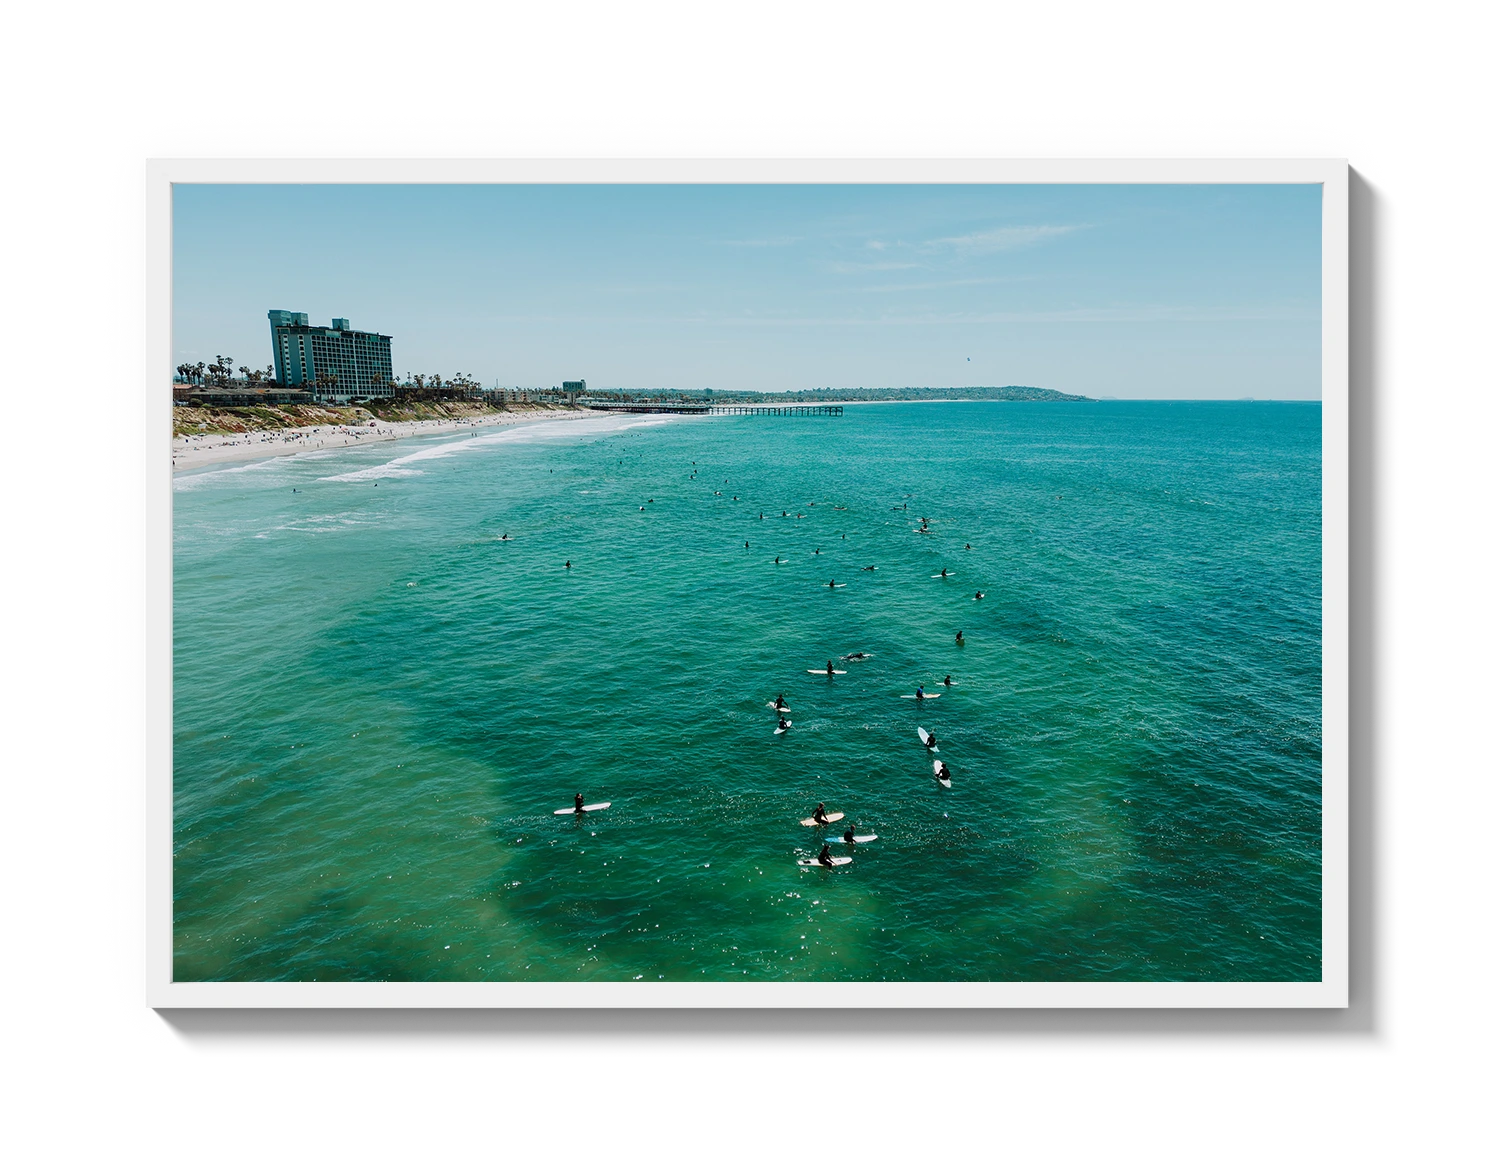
(154, 468)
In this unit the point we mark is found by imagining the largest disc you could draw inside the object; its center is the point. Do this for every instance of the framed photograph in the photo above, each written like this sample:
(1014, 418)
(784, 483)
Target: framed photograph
(748, 584)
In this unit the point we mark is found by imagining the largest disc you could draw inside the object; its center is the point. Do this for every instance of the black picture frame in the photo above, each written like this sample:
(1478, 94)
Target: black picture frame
(1367, 1029)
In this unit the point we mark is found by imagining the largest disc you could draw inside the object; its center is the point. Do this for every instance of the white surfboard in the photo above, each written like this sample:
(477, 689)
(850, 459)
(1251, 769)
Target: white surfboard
(937, 774)
(819, 864)
(941, 576)
(922, 735)
(926, 695)
(828, 819)
(825, 672)
(771, 703)
(562, 812)
(783, 730)
(858, 840)
(835, 587)
(924, 531)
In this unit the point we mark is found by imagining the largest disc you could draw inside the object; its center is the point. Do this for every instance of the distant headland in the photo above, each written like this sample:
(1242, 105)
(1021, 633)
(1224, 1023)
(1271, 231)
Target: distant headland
(851, 394)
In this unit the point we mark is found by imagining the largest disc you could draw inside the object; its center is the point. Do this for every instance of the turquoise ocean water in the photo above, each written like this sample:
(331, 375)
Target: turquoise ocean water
(378, 704)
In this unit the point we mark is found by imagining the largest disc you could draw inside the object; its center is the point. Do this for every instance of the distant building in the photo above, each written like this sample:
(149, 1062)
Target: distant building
(330, 362)
(578, 387)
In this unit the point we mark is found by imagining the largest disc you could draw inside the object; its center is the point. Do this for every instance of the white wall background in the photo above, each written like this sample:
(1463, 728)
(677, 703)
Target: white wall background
(80, 77)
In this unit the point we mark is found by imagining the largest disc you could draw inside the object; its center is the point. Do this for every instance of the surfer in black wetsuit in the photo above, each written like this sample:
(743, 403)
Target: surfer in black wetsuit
(782, 724)
(959, 637)
(943, 773)
(944, 573)
(978, 595)
(830, 661)
(931, 742)
(968, 547)
(567, 564)
(830, 583)
(819, 816)
(947, 680)
(578, 802)
(778, 560)
(849, 835)
(825, 856)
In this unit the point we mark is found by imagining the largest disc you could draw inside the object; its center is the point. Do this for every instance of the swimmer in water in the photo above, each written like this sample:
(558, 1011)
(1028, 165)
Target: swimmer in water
(819, 816)
(825, 857)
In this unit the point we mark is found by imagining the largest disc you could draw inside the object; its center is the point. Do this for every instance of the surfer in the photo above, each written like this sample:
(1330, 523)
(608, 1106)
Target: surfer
(825, 857)
(747, 544)
(931, 742)
(781, 703)
(920, 693)
(782, 724)
(943, 773)
(567, 564)
(968, 547)
(944, 573)
(947, 680)
(849, 835)
(959, 637)
(978, 595)
(816, 551)
(778, 560)
(578, 802)
(830, 661)
(831, 585)
(868, 569)
(819, 816)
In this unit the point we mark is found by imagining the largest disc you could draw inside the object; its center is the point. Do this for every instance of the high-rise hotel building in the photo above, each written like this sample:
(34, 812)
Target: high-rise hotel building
(361, 362)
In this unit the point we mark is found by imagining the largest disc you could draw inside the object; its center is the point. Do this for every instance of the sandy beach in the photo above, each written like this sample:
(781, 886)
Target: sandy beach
(190, 451)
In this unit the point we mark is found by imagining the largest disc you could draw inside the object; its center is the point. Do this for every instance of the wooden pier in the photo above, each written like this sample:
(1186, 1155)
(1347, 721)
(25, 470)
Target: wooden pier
(702, 408)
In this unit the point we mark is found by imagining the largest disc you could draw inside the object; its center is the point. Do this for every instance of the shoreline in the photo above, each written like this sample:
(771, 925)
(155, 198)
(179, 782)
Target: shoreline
(193, 451)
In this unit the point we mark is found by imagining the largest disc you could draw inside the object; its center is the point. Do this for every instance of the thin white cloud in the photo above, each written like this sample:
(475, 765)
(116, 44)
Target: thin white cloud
(1000, 239)
(872, 266)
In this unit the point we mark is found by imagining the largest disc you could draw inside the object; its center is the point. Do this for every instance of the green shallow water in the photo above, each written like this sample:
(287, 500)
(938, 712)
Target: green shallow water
(378, 704)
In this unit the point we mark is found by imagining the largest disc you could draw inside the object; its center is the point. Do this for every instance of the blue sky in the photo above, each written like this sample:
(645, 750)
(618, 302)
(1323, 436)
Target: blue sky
(1122, 291)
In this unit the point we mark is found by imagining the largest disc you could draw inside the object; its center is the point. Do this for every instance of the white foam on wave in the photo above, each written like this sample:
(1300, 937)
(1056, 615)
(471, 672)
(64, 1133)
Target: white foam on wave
(533, 433)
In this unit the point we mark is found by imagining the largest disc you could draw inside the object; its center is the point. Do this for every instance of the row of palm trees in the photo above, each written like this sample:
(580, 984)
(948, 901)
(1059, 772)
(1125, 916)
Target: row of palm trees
(220, 372)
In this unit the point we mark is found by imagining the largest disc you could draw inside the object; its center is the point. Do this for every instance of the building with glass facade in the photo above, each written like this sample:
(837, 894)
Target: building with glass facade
(330, 362)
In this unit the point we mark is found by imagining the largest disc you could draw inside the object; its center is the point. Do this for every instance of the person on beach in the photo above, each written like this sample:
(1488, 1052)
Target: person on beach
(825, 857)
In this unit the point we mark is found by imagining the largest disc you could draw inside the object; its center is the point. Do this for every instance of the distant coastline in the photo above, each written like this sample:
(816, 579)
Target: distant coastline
(846, 394)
